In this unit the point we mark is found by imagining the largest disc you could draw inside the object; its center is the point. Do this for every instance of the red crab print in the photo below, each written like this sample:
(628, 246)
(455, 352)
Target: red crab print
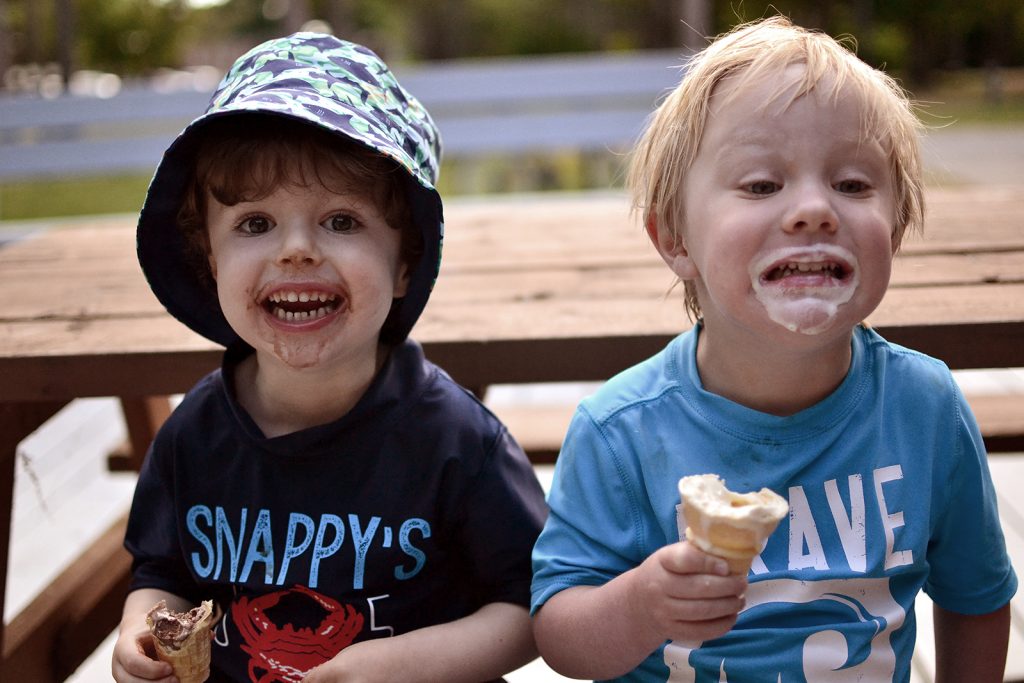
(281, 653)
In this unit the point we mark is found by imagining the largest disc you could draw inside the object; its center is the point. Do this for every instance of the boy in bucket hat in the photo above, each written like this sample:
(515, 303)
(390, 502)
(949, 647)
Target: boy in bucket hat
(348, 508)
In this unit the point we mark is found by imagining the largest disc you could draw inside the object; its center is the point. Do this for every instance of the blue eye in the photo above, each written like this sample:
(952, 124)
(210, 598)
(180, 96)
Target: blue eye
(762, 187)
(255, 225)
(341, 222)
(851, 186)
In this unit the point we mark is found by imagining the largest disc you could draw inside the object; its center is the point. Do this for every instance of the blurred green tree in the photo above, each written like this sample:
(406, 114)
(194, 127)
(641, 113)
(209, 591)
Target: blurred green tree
(911, 37)
(130, 37)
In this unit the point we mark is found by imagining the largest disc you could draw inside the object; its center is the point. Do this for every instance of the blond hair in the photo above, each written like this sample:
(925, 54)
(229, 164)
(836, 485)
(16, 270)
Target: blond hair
(760, 52)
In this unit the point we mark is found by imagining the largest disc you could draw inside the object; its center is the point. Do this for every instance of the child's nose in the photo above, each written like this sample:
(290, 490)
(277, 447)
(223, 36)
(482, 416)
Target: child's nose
(299, 246)
(811, 211)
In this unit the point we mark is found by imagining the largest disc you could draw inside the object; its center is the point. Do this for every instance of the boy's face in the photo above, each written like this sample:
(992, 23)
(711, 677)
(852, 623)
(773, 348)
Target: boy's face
(788, 215)
(306, 274)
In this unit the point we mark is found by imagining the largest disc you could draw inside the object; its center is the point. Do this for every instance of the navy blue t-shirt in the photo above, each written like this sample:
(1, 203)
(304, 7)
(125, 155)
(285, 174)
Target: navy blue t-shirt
(415, 508)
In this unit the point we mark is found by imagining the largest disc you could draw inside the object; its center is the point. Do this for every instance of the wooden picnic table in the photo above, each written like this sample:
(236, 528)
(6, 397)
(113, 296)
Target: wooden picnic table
(533, 288)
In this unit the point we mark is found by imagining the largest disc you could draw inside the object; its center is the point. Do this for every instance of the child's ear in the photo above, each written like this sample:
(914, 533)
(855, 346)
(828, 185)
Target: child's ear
(402, 279)
(670, 245)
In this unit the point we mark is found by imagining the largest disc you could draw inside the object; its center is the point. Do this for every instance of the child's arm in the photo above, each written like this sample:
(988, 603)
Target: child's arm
(971, 647)
(485, 645)
(134, 656)
(599, 632)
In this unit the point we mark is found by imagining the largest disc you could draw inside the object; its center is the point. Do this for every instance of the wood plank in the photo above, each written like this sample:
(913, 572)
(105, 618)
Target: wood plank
(923, 662)
(1001, 420)
(1008, 477)
(125, 295)
(67, 621)
(584, 235)
(538, 340)
(16, 422)
(963, 216)
(143, 418)
(533, 312)
(568, 291)
(540, 428)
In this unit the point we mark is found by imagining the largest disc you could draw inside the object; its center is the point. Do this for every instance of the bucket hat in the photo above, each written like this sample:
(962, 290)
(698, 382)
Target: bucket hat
(340, 86)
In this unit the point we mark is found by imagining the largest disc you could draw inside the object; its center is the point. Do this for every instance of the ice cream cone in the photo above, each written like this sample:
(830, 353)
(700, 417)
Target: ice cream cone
(732, 526)
(187, 650)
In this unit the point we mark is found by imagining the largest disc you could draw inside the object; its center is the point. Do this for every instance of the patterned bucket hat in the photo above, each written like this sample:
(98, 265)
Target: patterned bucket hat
(345, 89)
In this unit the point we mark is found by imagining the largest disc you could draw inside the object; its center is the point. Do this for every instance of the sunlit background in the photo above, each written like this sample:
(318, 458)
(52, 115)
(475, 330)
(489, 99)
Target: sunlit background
(963, 59)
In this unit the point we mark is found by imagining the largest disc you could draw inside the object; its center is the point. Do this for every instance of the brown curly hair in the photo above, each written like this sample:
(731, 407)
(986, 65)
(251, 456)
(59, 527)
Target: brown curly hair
(246, 158)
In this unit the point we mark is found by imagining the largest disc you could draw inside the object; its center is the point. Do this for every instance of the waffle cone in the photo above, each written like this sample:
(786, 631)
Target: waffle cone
(739, 561)
(732, 526)
(190, 661)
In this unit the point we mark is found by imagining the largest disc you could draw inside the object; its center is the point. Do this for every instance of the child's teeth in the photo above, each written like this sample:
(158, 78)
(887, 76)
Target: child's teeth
(293, 316)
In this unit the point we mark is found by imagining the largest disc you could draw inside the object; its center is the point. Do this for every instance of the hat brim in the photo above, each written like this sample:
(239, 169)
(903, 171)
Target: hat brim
(178, 283)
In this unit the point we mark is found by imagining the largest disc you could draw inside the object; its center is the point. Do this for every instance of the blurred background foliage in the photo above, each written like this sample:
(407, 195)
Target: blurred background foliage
(965, 60)
(914, 38)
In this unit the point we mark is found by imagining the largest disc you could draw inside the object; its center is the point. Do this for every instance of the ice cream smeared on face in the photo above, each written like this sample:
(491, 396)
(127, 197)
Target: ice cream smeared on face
(802, 288)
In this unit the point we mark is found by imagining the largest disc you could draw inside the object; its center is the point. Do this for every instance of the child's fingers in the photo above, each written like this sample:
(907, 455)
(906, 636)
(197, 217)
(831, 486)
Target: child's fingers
(686, 558)
(705, 586)
(142, 663)
(712, 609)
(147, 669)
(701, 630)
(142, 669)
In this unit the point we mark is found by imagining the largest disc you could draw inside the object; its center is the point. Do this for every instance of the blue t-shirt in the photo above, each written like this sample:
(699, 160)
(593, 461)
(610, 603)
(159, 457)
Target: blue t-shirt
(889, 493)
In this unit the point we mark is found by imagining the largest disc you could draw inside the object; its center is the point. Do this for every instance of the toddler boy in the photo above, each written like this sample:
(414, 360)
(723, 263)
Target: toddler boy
(352, 512)
(776, 181)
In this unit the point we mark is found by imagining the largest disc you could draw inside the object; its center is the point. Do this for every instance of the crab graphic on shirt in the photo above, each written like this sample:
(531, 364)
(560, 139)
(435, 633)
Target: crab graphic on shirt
(285, 653)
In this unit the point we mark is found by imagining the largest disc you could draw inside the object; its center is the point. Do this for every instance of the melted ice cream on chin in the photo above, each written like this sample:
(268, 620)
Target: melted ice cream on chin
(805, 309)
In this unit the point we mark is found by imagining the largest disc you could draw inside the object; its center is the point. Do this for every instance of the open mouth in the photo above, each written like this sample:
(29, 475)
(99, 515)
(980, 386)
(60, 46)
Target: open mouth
(829, 269)
(301, 306)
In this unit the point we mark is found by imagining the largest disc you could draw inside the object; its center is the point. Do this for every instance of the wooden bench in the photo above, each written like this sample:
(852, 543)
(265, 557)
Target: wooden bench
(540, 428)
(518, 300)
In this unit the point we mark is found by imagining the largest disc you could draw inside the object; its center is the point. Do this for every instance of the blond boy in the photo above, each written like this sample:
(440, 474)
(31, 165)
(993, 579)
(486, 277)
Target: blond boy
(777, 182)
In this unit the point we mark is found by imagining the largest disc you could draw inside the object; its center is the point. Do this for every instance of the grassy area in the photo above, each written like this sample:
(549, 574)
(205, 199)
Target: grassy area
(72, 197)
(125, 194)
(955, 98)
(974, 96)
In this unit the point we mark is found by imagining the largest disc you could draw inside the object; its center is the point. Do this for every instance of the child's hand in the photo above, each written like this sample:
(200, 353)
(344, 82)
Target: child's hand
(371, 661)
(686, 594)
(135, 657)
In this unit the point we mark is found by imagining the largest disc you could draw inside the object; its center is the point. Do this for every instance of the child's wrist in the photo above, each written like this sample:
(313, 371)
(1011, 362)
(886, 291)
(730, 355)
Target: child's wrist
(641, 625)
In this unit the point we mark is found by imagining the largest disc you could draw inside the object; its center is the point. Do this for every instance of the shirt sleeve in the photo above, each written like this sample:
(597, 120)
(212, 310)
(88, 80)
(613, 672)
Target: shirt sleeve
(503, 513)
(152, 534)
(594, 530)
(970, 571)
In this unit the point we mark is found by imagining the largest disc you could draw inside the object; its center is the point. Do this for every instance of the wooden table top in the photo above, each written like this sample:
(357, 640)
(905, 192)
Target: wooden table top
(532, 288)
